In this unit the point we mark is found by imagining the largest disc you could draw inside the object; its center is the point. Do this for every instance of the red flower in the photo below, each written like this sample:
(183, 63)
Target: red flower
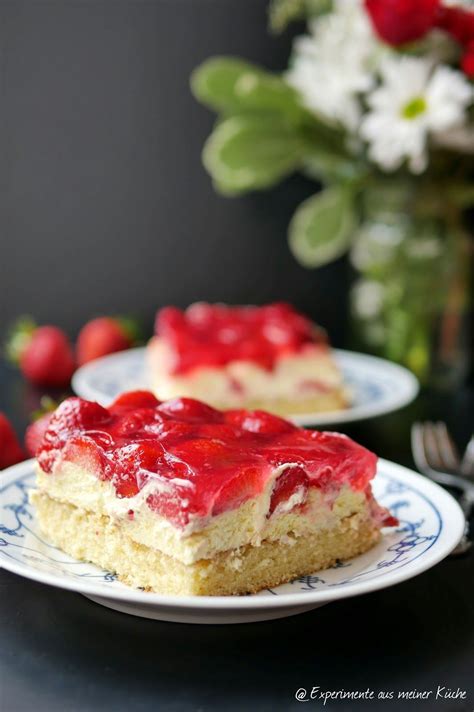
(401, 21)
(467, 61)
(458, 22)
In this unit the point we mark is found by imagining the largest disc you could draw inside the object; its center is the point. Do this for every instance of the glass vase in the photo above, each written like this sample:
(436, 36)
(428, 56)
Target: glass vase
(410, 296)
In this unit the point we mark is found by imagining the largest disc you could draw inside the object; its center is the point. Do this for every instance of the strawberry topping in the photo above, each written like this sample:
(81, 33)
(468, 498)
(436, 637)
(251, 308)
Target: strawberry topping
(198, 461)
(213, 335)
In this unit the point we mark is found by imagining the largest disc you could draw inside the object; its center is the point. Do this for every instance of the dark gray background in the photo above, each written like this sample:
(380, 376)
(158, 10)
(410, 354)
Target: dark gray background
(105, 206)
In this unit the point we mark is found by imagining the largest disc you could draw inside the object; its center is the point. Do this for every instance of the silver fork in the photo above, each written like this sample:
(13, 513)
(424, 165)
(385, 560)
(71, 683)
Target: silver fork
(467, 463)
(436, 455)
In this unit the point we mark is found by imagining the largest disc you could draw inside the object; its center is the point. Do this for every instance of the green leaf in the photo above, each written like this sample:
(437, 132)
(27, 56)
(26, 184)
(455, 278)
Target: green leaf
(18, 337)
(267, 92)
(47, 405)
(282, 12)
(227, 190)
(213, 82)
(321, 228)
(251, 152)
(231, 85)
(329, 167)
(132, 329)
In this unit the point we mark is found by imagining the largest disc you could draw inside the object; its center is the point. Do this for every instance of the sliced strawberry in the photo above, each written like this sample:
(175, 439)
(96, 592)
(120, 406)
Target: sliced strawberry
(134, 399)
(259, 421)
(134, 423)
(190, 410)
(11, 451)
(134, 464)
(293, 480)
(84, 452)
(204, 452)
(169, 318)
(246, 483)
(73, 416)
(78, 414)
(219, 432)
(175, 430)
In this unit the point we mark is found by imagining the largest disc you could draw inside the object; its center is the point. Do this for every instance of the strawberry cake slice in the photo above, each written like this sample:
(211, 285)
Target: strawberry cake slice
(177, 497)
(268, 357)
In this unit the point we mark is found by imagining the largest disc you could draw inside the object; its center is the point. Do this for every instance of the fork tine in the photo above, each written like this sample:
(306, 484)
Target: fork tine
(418, 447)
(426, 457)
(467, 464)
(447, 449)
(432, 450)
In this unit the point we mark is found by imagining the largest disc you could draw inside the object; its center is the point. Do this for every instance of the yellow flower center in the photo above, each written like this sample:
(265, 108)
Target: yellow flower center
(414, 108)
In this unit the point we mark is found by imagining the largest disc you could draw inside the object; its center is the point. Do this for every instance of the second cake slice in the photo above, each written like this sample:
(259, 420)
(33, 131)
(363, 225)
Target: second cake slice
(268, 357)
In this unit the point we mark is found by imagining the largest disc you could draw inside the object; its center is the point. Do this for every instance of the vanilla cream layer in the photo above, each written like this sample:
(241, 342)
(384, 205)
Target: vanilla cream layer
(237, 383)
(203, 538)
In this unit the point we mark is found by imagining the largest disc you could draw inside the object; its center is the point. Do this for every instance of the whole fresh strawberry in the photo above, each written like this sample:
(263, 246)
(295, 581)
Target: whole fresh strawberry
(44, 354)
(11, 451)
(104, 335)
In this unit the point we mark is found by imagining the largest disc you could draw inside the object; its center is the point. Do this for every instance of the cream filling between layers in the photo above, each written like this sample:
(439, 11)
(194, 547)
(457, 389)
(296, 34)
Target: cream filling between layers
(202, 538)
(220, 386)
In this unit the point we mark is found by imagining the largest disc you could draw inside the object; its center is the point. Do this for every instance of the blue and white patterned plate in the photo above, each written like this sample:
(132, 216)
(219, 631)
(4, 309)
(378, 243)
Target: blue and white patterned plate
(431, 524)
(376, 386)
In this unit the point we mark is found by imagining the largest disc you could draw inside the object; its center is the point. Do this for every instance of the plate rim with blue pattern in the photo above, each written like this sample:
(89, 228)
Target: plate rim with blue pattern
(376, 386)
(431, 524)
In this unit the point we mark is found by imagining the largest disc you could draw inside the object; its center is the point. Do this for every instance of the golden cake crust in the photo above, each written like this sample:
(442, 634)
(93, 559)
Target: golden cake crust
(99, 540)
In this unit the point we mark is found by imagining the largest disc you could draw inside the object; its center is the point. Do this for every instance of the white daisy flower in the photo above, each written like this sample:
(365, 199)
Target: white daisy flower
(367, 298)
(413, 102)
(334, 64)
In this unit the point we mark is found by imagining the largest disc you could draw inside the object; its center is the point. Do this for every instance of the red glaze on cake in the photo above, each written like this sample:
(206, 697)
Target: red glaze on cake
(203, 461)
(214, 335)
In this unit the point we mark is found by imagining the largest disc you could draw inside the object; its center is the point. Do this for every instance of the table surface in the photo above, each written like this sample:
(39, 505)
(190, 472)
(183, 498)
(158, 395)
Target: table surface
(59, 651)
